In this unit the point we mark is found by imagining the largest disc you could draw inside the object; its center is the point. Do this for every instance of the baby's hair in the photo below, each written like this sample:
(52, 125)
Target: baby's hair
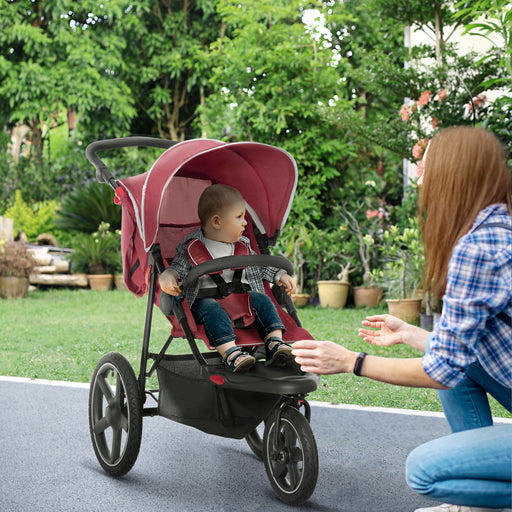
(214, 199)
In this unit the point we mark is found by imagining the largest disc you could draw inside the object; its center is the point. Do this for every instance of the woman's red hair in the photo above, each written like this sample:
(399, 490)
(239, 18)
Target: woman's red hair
(465, 170)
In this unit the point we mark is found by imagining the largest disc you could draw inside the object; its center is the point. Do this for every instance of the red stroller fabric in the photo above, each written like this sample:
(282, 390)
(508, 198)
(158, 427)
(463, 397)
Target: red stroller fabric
(160, 206)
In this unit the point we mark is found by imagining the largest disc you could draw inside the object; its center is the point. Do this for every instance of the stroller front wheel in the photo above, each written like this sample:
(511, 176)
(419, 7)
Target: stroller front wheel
(291, 456)
(115, 414)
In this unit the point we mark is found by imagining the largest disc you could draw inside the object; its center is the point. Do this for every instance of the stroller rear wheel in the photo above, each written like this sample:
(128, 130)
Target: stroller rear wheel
(291, 456)
(115, 414)
(255, 441)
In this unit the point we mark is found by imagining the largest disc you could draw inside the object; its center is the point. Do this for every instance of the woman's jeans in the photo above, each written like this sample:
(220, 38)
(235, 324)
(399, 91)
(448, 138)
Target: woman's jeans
(466, 405)
(470, 467)
(218, 325)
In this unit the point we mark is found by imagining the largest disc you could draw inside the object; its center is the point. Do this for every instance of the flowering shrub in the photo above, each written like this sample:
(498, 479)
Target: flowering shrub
(432, 112)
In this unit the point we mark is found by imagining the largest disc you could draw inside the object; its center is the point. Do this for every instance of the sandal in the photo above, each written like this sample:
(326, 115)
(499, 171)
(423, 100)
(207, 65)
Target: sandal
(243, 365)
(280, 354)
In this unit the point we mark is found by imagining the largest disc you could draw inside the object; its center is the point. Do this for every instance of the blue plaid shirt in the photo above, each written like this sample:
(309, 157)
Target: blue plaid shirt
(479, 287)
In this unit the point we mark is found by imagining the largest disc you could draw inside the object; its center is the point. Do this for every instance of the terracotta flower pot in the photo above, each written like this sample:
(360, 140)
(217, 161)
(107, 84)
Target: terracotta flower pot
(100, 282)
(367, 296)
(13, 287)
(300, 299)
(333, 294)
(119, 282)
(405, 309)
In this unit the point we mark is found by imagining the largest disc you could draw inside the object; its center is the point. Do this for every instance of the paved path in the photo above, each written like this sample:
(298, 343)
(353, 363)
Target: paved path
(47, 463)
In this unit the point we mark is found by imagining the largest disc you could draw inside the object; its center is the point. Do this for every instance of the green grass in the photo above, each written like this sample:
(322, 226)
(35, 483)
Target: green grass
(61, 335)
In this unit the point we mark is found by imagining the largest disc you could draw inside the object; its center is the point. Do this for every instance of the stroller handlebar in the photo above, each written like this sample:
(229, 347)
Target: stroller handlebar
(103, 174)
(255, 260)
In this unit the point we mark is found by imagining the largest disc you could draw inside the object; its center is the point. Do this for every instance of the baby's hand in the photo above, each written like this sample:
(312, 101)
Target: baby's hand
(169, 282)
(288, 282)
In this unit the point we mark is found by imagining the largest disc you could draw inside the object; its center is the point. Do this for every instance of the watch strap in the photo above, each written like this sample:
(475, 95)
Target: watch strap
(359, 364)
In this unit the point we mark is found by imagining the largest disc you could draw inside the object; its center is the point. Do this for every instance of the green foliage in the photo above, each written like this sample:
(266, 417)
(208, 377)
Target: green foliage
(58, 55)
(402, 250)
(96, 253)
(32, 220)
(488, 18)
(85, 208)
(167, 63)
(15, 260)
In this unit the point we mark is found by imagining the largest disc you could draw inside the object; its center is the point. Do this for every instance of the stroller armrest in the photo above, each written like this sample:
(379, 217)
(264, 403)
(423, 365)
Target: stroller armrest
(255, 260)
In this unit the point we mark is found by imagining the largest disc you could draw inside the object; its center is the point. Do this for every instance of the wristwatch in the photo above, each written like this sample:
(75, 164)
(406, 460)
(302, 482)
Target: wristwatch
(359, 364)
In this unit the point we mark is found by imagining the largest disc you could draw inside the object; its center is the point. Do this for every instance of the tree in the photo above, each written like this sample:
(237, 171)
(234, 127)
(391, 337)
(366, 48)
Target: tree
(60, 56)
(271, 73)
(168, 63)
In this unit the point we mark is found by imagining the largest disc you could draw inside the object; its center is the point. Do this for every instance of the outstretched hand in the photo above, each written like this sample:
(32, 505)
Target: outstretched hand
(390, 330)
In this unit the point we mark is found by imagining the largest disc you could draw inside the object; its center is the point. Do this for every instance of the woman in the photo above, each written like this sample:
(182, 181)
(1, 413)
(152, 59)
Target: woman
(465, 214)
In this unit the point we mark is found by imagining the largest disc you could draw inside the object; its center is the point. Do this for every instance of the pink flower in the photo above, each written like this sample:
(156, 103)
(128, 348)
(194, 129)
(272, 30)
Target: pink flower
(435, 123)
(370, 214)
(442, 94)
(419, 148)
(405, 113)
(479, 101)
(423, 99)
(419, 169)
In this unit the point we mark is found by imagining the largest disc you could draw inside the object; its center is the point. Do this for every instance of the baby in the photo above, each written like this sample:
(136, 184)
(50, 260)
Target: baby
(221, 211)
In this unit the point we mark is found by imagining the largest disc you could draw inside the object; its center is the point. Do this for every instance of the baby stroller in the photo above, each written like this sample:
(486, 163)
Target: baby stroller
(159, 208)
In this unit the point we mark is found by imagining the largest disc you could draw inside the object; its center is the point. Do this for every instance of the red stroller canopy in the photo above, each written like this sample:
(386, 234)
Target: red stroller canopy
(163, 201)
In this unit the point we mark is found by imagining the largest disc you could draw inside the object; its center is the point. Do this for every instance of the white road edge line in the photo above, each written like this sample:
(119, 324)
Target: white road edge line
(315, 403)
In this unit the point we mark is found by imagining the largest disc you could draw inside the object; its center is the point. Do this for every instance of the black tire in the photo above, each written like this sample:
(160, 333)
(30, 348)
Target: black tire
(292, 465)
(255, 442)
(115, 414)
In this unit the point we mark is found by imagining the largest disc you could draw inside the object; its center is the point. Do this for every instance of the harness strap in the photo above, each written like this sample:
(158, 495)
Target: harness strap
(232, 296)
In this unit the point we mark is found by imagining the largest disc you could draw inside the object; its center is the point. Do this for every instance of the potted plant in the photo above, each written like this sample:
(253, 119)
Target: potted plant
(363, 230)
(16, 264)
(334, 293)
(294, 243)
(402, 270)
(95, 255)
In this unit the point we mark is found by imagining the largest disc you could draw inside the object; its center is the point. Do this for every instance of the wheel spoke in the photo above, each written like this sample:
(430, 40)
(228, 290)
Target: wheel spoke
(101, 425)
(296, 454)
(116, 444)
(294, 473)
(123, 422)
(105, 388)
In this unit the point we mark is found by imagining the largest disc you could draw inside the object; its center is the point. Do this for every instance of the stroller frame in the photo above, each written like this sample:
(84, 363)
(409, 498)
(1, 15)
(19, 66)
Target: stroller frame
(196, 389)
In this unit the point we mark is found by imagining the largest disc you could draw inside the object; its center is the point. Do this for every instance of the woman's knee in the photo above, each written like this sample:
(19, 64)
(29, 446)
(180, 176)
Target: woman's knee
(417, 474)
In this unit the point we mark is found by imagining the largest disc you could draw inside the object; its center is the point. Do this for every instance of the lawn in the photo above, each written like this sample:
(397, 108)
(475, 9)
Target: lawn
(61, 334)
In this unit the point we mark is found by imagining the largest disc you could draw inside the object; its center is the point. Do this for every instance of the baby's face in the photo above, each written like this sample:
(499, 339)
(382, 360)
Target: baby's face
(232, 223)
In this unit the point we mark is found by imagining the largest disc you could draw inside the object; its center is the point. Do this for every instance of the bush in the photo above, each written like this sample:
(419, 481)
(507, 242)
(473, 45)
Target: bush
(32, 220)
(87, 207)
(96, 253)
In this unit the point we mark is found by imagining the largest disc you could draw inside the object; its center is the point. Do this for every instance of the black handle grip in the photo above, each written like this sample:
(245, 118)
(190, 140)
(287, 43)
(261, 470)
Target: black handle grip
(103, 174)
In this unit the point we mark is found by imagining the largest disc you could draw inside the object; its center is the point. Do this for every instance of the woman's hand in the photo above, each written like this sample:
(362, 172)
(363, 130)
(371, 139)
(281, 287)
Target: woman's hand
(323, 357)
(392, 331)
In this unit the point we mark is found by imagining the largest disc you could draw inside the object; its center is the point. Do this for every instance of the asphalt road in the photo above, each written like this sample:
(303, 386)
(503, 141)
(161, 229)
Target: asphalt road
(47, 462)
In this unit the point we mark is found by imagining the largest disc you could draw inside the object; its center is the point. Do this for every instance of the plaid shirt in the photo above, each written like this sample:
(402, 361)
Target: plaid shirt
(254, 275)
(479, 287)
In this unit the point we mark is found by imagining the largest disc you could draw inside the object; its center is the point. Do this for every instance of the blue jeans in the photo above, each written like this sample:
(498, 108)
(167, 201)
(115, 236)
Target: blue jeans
(466, 406)
(471, 468)
(218, 325)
